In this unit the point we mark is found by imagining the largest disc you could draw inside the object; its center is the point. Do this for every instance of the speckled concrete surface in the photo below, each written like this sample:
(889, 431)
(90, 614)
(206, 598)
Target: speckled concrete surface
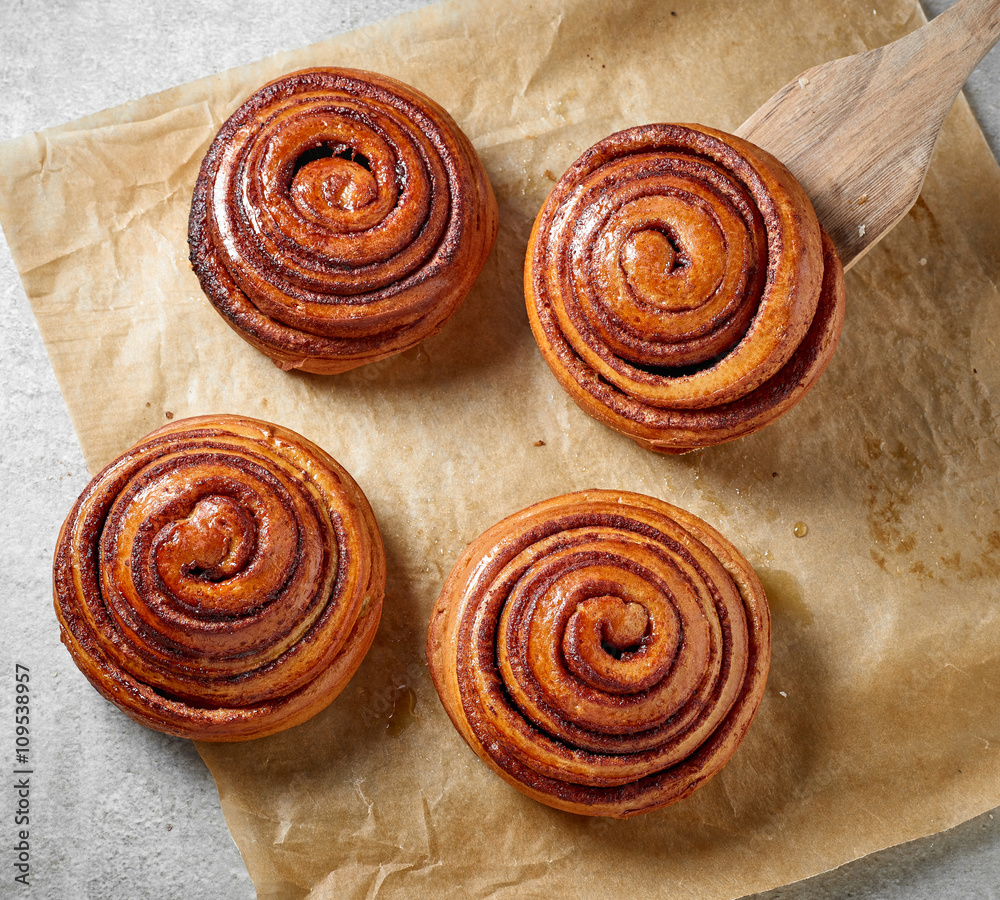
(118, 811)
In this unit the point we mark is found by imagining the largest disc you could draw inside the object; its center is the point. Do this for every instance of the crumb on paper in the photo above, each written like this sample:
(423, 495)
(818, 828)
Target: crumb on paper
(539, 443)
(923, 260)
(169, 414)
(550, 176)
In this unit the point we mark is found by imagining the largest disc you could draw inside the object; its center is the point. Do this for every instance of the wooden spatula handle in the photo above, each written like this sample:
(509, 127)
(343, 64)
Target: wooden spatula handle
(957, 40)
(858, 132)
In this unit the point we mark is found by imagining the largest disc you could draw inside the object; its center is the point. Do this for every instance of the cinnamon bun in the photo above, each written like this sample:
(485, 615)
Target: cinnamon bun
(603, 652)
(339, 217)
(681, 288)
(221, 580)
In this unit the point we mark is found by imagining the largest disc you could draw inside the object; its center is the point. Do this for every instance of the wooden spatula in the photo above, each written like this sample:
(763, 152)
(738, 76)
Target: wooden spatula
(858, 132)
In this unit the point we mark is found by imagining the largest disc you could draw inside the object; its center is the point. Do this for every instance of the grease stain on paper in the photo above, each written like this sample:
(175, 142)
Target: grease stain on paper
(889, 494)
(784, 596)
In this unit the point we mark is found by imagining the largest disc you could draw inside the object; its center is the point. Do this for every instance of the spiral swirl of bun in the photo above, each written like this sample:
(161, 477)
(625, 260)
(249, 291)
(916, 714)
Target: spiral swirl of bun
(603, 652)
(681, 288)
(221, 580)
(339, 217)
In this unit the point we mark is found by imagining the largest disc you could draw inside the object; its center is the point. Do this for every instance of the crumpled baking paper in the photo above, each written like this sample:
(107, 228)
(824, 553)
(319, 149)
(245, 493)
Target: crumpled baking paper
(869, 511)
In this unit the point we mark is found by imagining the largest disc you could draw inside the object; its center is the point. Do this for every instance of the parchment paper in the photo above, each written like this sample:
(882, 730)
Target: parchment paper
(880, 721)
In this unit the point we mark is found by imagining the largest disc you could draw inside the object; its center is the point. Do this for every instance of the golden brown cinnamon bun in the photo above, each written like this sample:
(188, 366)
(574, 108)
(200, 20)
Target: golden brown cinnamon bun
(339, 217)
(221, 580)
(681, 288)
(603, 652)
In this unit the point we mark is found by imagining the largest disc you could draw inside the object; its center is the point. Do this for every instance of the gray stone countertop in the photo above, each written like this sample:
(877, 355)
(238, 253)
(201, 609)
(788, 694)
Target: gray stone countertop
(118, 811)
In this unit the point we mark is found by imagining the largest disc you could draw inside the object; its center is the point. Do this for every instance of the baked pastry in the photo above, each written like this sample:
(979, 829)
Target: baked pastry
(681, 288)
(221, 580)
(603, 652)
(339, 217)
